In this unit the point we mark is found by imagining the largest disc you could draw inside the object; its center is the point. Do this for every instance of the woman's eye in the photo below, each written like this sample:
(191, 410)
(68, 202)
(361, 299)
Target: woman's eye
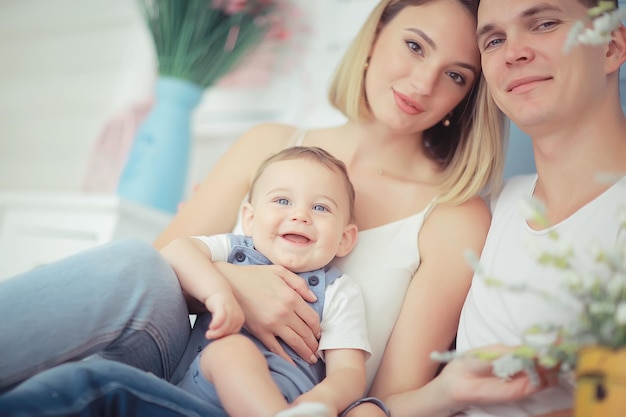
(320, 207)
(457, 78)
(415, 47)
(282, 201)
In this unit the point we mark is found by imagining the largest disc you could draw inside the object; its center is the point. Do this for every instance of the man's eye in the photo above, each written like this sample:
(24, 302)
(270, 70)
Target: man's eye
(547, 25)
(494, 42)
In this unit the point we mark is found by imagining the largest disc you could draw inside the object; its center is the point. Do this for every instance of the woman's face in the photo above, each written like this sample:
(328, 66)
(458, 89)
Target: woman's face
(422, 65)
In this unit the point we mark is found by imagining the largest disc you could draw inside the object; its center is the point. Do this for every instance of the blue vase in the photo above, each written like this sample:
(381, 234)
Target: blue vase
(156, 170)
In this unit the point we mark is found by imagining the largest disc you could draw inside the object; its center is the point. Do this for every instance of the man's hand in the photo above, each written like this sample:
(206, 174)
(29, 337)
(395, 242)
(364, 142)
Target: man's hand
(472, 381)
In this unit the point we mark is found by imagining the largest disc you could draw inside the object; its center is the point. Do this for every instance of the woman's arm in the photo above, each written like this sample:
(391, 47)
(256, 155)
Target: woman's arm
(562, 413)
(344, 383)
(214, 206)
(430, 313)
(272, 308)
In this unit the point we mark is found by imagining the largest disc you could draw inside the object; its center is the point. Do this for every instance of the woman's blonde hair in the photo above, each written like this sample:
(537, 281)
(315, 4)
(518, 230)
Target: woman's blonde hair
(470, 149)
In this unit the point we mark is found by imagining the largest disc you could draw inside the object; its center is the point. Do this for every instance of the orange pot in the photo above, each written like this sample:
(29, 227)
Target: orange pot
(600, 383)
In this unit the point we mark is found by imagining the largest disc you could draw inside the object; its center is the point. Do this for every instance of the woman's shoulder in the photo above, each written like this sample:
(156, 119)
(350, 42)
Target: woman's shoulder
(474, 208)
(269, 134)
(268, 138)
(258, 143)
(469, 220)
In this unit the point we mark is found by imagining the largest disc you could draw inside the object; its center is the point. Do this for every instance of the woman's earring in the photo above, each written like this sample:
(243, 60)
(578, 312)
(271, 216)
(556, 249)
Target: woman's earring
(366, 65)
(446, 121)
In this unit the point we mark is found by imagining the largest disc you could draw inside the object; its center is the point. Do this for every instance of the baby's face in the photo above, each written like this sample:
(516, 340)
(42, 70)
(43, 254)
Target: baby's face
(299, 214)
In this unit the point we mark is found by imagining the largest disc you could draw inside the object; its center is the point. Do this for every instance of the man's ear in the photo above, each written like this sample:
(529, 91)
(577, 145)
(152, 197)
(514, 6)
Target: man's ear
(616, 51)
(348, 240)
(247, 218)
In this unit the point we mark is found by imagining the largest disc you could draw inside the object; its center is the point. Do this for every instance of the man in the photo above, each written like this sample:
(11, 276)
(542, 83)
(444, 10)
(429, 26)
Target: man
(568, 103)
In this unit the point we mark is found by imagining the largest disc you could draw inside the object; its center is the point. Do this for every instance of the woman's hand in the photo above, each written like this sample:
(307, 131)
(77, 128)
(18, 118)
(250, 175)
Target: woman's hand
(472, 382)
(273, 300)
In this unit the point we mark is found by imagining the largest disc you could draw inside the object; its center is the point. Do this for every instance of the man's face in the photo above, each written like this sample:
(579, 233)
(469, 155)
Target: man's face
(531, 78)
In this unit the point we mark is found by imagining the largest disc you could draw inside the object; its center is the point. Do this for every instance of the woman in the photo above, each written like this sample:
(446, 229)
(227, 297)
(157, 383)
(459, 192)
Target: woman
(422, 141)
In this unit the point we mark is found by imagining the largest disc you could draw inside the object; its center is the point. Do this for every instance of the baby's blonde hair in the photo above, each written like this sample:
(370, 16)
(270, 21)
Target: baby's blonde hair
(315, 154)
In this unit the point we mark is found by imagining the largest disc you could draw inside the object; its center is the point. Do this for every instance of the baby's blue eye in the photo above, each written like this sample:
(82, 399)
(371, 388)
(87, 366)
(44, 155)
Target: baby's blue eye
(320, 207)
(283, 201)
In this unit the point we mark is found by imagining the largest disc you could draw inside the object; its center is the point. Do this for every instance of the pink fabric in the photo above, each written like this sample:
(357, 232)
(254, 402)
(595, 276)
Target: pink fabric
(112, 146)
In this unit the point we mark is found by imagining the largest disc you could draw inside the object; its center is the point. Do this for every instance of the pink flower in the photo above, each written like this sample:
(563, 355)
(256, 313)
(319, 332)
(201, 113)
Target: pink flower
(230, 6)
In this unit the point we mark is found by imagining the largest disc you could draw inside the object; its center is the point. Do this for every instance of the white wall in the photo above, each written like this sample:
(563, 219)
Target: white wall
(62, 72)
(69, 66)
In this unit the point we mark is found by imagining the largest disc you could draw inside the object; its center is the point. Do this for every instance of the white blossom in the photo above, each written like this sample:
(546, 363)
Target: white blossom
(540, 339)
(600, 32)
(506, 366)
(534, 211)
(620, 313)
(444, 356)
(601, 307)
(473, 260)
(572, 37)
(615, 287)
(593, 286)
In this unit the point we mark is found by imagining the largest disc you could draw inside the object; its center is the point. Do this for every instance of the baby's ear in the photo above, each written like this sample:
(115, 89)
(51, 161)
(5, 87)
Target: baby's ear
(348, 240)
(247, 219)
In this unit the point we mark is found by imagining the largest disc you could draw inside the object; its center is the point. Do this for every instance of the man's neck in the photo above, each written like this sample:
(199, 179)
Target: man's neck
(570, 160)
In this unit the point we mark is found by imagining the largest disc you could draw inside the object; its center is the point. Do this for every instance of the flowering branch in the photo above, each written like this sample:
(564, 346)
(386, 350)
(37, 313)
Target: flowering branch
(605, 18)
(596, 293)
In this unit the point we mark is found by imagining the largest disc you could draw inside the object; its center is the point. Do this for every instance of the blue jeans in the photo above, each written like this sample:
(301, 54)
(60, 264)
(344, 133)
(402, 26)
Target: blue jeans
(119, 301)
(101, 387)
(118, 305)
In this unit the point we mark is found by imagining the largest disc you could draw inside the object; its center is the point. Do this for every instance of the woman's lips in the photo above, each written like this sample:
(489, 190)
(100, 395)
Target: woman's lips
(406, 104)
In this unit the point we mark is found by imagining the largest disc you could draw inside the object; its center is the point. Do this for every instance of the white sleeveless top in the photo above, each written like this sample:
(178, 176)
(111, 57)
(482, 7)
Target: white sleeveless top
(491, 315)
(382, 262)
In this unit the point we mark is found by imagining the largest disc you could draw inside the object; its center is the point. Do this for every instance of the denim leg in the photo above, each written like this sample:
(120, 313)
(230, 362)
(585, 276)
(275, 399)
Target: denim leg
(120, 300)
(101, 388)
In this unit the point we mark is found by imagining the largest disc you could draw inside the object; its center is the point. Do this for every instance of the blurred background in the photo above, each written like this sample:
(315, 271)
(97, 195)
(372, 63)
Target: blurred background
(71, 66)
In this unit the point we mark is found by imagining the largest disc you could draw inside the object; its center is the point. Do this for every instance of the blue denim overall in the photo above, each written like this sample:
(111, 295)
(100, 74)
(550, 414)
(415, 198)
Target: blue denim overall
(292, 380)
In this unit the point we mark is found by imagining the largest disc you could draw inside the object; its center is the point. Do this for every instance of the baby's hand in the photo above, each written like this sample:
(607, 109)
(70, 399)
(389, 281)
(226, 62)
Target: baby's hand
(227, 315)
